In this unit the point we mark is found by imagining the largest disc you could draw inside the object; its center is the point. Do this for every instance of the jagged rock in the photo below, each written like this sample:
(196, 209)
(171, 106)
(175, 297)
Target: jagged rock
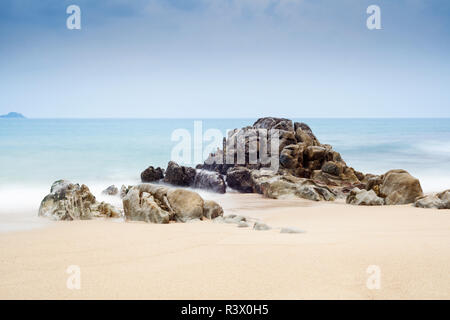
(288, 187)
(438, 201)
(364, 198)
(303, 133)
(291, 230)
(333, 168)
(159, 204)
(259, 226)
(111, 191)
(315, 153)
(269, 123)
(209, 180)
(239, 178)
(212, 209)
(179, 175)
(68, 201)
(152, 174)
(140, 205)
(399, 187)
(291, 156)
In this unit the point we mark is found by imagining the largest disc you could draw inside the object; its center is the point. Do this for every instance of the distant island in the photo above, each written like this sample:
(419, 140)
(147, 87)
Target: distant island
(13, 115)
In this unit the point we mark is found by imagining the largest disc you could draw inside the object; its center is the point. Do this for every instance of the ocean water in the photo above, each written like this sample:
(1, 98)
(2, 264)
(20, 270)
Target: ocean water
(101, 152)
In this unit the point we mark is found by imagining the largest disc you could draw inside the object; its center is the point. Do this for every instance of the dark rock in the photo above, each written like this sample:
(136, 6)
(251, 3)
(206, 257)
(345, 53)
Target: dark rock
(209, 180)
(152, 174)
(239, 178)
(179, 175)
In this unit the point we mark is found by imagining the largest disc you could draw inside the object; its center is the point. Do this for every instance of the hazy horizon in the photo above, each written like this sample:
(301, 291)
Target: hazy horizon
(225, 59)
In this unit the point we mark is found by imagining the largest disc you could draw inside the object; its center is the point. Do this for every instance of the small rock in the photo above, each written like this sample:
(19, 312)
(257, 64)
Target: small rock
(291, 230)
(364, 198)
(111, 191)
(233, 218)
(212, 209)
(243, 224)
(261, 226)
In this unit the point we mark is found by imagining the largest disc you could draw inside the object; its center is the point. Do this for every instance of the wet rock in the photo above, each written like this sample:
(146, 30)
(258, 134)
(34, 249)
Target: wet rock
(152, 174)
(239, 178)
(209, 180)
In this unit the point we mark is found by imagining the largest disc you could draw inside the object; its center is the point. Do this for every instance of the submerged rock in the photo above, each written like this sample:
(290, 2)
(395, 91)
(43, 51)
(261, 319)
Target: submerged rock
(364, 198)
(111, 191)
(152, 174)
(68, 201)
(438, 201)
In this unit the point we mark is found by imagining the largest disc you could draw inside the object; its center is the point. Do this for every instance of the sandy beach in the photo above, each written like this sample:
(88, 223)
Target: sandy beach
(207, 260)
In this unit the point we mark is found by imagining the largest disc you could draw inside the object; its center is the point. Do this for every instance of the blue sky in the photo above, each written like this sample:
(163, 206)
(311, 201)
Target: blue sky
(225, 59)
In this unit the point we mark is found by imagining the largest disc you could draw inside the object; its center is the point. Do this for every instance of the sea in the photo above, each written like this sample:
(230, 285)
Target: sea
(100, 152)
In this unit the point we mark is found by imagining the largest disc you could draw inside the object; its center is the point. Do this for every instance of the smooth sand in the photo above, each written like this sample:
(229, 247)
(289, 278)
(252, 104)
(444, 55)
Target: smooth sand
(206, 260)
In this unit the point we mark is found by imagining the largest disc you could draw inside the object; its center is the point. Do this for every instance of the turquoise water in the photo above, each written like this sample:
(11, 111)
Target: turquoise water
(100, 152)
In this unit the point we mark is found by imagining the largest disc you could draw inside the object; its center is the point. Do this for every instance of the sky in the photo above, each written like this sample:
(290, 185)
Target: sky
(225, 59)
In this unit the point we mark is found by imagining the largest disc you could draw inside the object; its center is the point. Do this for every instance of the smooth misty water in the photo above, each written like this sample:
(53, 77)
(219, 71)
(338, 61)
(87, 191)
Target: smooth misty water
(100, 152)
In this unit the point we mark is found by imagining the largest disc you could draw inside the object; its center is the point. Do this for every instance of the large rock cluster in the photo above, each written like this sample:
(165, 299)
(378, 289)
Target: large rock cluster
(184, 176)
(69, 201)
(307, 168)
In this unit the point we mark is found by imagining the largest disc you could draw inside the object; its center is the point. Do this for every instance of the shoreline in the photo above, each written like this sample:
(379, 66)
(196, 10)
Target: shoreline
(206, 260)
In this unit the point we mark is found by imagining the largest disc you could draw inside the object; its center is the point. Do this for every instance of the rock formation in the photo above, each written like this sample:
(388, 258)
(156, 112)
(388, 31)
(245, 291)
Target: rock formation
(159, 204)
(307, 168)
(438, 201)
(364, 198)
(68, 201)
